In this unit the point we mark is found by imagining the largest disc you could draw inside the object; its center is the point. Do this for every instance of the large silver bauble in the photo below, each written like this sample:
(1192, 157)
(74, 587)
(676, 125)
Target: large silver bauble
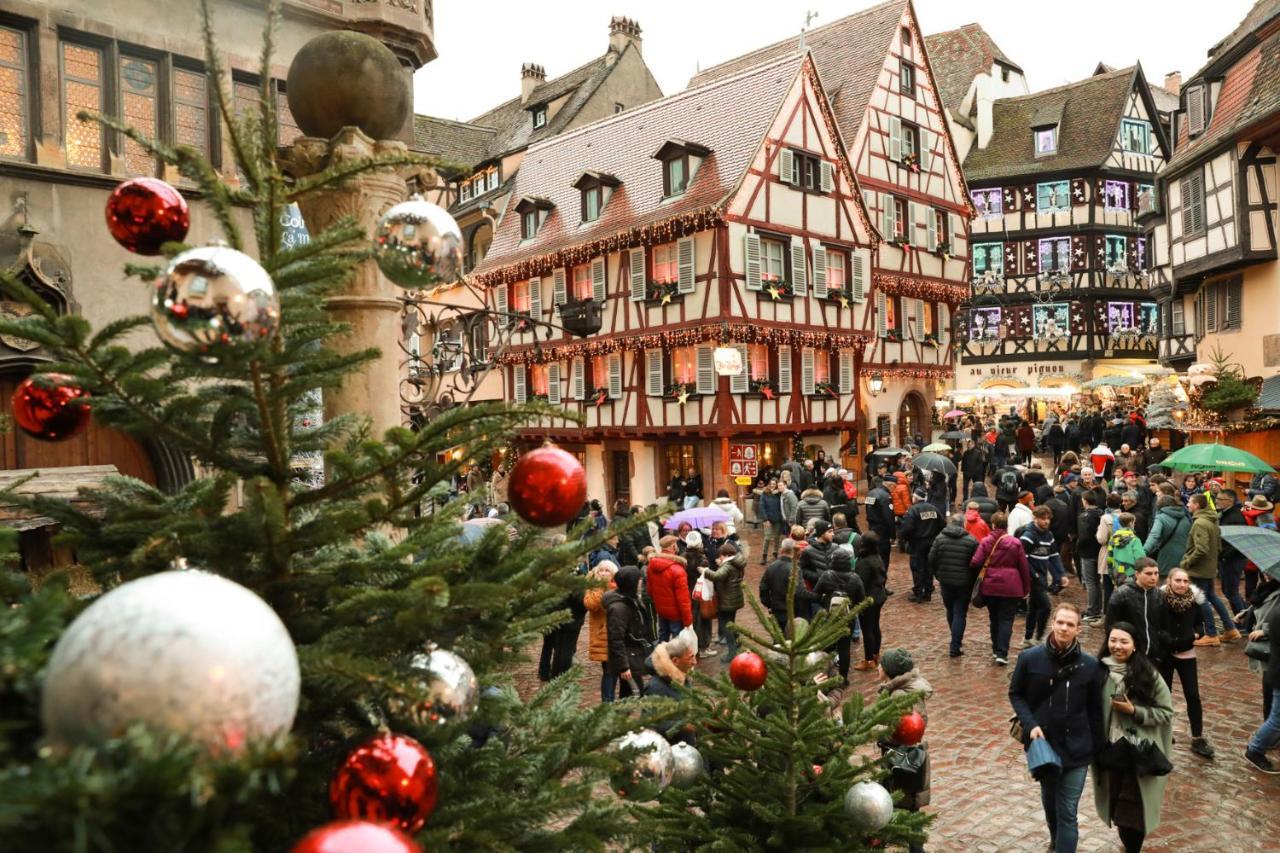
(215, 302)
(186, 652)
(651, 769)
(418, 244)
(687, 765)
(453, 692)
(869, 806)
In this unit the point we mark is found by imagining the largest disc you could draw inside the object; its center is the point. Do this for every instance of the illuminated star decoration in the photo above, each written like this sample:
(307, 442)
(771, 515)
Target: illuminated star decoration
(666, 297)
(766, 391)
(844, 301)
(774, 292)
(683, 396)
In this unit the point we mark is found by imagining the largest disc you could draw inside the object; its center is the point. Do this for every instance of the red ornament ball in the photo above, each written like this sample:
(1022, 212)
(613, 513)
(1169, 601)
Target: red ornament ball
(145, 213)
(910, 730)
(355, 836)
(548, 487)
(747, 671)
(388, 779)
(46, 407)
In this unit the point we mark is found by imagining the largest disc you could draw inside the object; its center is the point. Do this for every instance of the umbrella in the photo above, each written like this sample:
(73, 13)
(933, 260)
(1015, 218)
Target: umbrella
(1260, 545)
(889, 451)
(953, 435)
(1215, 457)
(955, 413)
(698, 517)
(937, 447)
(935, 462)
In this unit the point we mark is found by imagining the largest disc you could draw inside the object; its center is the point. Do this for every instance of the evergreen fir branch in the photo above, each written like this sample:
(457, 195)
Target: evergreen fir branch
(117, 329)
(337, 175)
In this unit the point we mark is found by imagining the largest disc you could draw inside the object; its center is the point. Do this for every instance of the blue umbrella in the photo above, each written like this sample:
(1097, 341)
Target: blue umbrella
(698, 517)
(1259, 544)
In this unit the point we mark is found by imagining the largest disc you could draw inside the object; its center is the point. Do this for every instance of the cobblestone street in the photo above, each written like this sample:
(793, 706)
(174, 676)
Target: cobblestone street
(983, 798)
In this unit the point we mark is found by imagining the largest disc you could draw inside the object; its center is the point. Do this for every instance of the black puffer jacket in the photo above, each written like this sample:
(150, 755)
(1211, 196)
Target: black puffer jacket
(839, 580)
(986, 505)
(1146, 611)
(812, 506)
(1186, 624)
(815, 560)
(950, 555)
(628, 643)
(870, 570)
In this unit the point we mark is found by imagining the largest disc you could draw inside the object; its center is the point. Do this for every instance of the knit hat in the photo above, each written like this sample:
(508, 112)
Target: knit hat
(1027, 498)
(820, 527)
(896, 661)
(693, 540)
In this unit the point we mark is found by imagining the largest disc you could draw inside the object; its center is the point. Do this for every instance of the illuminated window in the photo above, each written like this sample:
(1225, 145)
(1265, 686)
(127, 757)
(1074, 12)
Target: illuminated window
(82, 90)
(581, 282)
(822, 366)
(758, 361)
(684, 365)
(13, 93)
(599, 372)
(665, 268)
(772, 265)
(520, 301)
(539, 380)
(837, 269)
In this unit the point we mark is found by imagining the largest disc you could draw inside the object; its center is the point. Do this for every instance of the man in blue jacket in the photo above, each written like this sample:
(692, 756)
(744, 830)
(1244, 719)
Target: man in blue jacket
(1056, 692)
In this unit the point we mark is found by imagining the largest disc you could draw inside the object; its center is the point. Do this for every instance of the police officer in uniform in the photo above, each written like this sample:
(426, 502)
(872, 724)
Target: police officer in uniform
(880, 517)
(920, 526)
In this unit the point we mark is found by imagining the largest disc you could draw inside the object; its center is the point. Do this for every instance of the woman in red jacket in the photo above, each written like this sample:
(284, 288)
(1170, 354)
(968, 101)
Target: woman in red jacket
(1006, 580)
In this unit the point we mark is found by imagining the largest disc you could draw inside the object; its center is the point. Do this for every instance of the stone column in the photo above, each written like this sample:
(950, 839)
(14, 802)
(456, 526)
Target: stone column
(370, 304)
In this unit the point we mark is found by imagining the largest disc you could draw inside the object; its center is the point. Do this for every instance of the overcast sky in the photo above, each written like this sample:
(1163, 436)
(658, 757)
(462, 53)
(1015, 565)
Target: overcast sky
(482, 43)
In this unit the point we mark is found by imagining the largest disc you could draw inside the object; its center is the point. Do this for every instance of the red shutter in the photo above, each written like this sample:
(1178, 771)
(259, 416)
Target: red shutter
(1077, 190)
(1011, 258)
(1079, 253)
(1032, 256)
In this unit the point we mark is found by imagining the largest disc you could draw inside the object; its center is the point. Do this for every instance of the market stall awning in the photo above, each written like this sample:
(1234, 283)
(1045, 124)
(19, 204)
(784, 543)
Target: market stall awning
(1114, 382)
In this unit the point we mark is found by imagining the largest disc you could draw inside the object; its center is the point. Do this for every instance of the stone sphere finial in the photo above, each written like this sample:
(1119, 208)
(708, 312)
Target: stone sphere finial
(345, 78)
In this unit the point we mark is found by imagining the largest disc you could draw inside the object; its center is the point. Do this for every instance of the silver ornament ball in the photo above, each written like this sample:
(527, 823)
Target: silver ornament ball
(417, 244)
(186, 652)
(869, 806)
(651, 769)
(453, 692)
(215, 302)
(687, 765)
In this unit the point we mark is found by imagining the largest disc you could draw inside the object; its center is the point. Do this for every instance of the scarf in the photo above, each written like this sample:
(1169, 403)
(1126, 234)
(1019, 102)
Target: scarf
(1180, 603)
(1118, 670)
(1061, 656)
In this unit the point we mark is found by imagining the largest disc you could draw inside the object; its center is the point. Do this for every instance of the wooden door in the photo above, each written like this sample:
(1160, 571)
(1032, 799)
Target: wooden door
(620, 476)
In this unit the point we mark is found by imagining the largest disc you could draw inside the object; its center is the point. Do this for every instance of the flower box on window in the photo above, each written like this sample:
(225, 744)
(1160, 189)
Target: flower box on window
(894, 335)
(764, 387)
(1118, 271)
(776, 286)
(1055, 278)
(988, 282)
(662, 291)
(910, 162)
(681, 391)
(931, 339)
(582, 318)
(825, 389)
(520, 323)
(598, 397)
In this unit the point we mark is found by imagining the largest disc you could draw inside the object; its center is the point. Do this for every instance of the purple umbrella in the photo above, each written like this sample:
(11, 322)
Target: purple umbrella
(698, 517)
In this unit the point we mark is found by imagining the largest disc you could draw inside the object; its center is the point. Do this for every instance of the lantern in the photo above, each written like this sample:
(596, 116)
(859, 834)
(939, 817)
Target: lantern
(875, 384)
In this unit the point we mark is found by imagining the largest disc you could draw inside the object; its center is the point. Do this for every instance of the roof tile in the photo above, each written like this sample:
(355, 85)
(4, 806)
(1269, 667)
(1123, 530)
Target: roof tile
(957, 56)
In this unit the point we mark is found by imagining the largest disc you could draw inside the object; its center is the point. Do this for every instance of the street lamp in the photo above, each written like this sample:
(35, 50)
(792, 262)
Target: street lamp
(875, 384)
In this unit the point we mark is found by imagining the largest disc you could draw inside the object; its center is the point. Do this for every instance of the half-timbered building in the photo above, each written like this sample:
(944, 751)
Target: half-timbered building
(710, 260)
(1214, 234)
(876, 68)
(1060, 266)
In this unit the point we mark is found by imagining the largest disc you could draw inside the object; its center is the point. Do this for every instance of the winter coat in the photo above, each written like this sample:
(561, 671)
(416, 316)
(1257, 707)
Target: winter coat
(664, 677)
(728, 577)
(870, 570)
(975, 525)
(597, 625)
(730, 506)
(668, 587)
(695, 559)
(1056, 437)
(790, 505)
(1063, 698)
(833, 494)
(880, 517)
(986, 506)
(909, 682)
(1041, 549)
(815, 560)
(901, 497)
(1033, 481)
(1020, 516)
(773, 588)
(625, 626)
(973, 464)
(1087, 545)
(1233, 515)
(1026, 438)
(1008, 575)
(812, 507)
(1154, 723)
(770, 504)
(1145, 610)
(1141, 522)
(1183, 626)
(1203, 544)
(1008, 482)
(839, 580)
(921, 525)
(1062, 525)
(951, 555)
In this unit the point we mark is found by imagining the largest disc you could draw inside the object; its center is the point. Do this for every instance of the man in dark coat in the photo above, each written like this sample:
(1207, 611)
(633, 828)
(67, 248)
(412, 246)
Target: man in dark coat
(775, 581)
(920, 526)
(986, 506)
(973, 465)
(816, 559)
(1035, 482)
(1008, 483)
(626, 632)
(880, 517)
(1154, 454)
(949, 561)
(1063, 525)
(1140, 602)
(1133, 433)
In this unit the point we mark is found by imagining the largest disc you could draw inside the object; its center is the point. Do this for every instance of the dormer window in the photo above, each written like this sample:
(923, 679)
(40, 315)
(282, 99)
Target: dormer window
(533, 212)
(596, 188)
(680, 161)
(539, 117)
(1046, 140)
(528, 224)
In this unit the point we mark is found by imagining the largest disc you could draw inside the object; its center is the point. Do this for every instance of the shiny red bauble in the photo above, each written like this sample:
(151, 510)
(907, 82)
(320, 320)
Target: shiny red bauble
(145, 213)
(747, 671)
(388, 779)
(355, 836)
(910, 730)
(548, 487)
(47, 407)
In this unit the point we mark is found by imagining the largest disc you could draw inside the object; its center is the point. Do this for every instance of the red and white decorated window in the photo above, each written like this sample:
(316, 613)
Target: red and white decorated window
(539, 380)
(599, 372)
(665, 267)
(520, 303)
(758, 361)
(821, 366)
(684, 365)
(581, 283)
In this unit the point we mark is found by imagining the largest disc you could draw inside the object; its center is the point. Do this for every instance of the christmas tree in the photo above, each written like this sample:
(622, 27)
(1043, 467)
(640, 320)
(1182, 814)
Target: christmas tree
(361, 570)
(1160, 407)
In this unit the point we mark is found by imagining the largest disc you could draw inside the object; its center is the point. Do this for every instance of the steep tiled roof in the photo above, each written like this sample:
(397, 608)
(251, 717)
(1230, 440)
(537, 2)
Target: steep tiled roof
(729, 116)
(1090, 110)
(957, 56)
(454, 141)
(1250, 92)
(849, 54)
(1262, 12)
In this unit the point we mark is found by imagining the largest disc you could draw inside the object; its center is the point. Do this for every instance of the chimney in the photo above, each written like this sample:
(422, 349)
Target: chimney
(621, 31)
(531, 76)
(983, 108)
(1173, 82)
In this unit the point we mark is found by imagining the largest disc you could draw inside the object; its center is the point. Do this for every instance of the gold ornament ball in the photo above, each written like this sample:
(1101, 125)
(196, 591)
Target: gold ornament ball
(348, 79)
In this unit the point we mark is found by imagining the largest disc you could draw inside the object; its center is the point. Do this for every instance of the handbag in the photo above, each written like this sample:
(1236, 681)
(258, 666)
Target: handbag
(1259, 650)
(1142, 757)
(908, 768)
(704, 592)
(978, 600)
(1015, 728)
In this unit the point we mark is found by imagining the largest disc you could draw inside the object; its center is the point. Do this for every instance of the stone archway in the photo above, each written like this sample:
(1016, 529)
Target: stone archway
(913, 417)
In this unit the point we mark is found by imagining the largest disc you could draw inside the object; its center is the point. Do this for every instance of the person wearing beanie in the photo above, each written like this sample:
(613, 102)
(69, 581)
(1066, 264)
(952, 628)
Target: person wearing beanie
(900, 676)
(1020, 515)
(816, 558)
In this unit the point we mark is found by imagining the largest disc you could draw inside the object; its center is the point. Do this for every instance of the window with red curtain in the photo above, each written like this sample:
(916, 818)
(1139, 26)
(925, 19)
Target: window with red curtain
(836, 269)
(581, 283)
(665, 270)
(519, 297)
(821, 366)
(684, 365)
(758, 361)
(539, 382)
(599, 372)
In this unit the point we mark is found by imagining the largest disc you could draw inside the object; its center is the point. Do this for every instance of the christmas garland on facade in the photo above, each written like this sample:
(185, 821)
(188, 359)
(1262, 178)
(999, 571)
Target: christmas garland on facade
(740, 334)
(916, 288)
(940, 371)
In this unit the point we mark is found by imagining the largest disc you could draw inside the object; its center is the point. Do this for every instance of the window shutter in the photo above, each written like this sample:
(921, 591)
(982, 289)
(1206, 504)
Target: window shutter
(1200, 319)
(895, 138)
(558, 294)
(846, 371)
(1211, 303)
(739, 382)
(535, 299)
(685, 264)
(637, 275)
(926, 150)
(653, 372)
(888, 212)
(517, 373)
(799, 269)
(615, 376)
(819, 272)
(882, 308)
(860, 261)
(500, 301)
(943, 321)
(1197, 194)
(706, 370)
(955, 231)
(752, 261)
(913, 218)
(827, 177)
(597, 280)
(1195, 110)
(806, 371)
(578, 379)
(931, 222)
(920, 309)
(787, 166)
(553, 382)
(1234, 299)
(784, 369)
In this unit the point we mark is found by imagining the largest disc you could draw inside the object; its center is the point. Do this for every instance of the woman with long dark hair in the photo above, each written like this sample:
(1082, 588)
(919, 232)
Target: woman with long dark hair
(1135, 706)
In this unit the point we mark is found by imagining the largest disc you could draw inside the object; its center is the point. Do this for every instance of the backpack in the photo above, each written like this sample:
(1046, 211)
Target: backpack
(1009, 482)
(1124, 549)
